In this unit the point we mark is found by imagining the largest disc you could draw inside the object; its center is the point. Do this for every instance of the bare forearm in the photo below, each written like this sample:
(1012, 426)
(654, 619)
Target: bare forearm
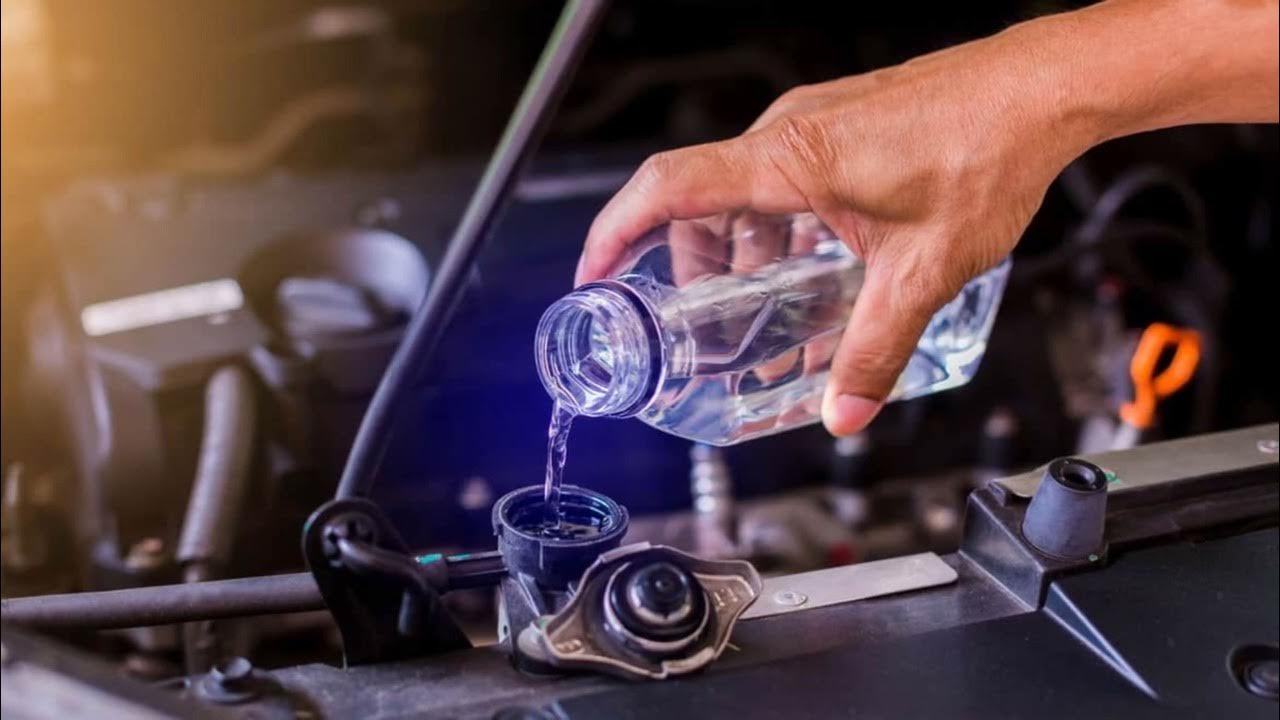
(1129, 66)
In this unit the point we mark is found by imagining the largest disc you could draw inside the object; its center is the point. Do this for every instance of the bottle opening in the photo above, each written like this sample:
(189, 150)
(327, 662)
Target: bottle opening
(597, 351)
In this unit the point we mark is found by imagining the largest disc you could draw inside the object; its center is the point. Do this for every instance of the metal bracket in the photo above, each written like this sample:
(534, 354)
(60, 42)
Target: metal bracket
(834, 586)
(386, 604)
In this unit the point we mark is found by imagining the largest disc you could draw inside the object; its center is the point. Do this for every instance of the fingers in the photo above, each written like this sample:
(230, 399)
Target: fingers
(697, 249)
(893, 308)
(684, 184)
(760, 240)
(806, 232)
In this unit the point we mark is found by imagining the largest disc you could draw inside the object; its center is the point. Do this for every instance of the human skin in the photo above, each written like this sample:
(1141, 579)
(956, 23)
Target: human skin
(931, 170)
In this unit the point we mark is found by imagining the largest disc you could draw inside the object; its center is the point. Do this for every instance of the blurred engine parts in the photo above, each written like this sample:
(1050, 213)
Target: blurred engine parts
(220, 298)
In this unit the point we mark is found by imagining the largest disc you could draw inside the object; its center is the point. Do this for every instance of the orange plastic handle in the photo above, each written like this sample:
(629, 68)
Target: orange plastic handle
(1148, 387)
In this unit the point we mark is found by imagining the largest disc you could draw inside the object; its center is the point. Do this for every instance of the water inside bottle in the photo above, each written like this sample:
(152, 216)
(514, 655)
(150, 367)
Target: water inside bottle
(724, 334)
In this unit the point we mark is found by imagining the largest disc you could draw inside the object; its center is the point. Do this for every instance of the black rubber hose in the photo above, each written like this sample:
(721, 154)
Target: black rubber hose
(1133, 184)
(217, 495)
(168, 604)
(222, 470)
(532, 115)
(165, 604)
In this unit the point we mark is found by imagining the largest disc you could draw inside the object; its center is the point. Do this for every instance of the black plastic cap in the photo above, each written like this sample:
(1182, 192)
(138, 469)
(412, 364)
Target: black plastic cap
(1067, 515)
(555, 562)
(658, 601)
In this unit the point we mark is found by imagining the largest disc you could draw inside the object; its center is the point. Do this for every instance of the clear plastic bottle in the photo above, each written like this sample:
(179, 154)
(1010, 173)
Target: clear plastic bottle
(723, 331)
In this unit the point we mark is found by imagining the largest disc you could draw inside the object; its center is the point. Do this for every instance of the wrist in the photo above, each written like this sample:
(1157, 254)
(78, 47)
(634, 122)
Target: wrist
(1042, 112)
(1129, 66)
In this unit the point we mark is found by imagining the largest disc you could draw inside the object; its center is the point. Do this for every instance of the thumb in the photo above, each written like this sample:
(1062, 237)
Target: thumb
(892, 310)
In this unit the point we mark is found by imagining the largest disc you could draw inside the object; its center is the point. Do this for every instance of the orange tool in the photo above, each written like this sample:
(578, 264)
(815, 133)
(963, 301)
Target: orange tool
(1149, 388)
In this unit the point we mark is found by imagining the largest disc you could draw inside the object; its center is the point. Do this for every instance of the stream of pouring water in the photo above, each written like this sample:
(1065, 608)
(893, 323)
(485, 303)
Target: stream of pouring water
(557, 446)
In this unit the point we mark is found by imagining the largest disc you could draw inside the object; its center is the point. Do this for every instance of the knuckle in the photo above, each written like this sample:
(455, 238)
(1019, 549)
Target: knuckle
(798, 92)
(799, 136)
(804, 153)
(653, 171)
(790, 99)
(778, 108)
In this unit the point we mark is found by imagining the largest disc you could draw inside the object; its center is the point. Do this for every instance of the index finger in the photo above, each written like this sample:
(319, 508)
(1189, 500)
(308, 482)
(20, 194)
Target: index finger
(686, 184)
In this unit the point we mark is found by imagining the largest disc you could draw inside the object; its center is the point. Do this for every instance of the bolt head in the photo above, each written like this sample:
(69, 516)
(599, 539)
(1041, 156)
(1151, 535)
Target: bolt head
(1269, 447)
(1262, 678)
(790, 598)
(234, 670)
(662, 589)
(345, 527)
(146, 554)
(229, 682)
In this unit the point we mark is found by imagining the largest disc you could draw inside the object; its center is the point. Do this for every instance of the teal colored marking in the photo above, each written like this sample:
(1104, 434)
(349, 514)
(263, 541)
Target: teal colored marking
(429, 558)
(462, 556)
(1111, 477)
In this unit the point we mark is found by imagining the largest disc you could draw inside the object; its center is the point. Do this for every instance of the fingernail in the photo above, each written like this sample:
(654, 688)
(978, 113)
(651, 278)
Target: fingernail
(847, 414)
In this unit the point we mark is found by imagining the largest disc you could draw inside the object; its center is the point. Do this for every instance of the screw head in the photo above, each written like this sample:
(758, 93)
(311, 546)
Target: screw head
(662, 590)
(231, 672)
(345, 527)
(229, 682)
(1269, 447)
(790, 598)
(146, 554)
(1262, 678)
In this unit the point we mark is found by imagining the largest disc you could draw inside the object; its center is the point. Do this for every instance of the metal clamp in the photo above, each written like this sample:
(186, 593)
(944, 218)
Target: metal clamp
(385, 602)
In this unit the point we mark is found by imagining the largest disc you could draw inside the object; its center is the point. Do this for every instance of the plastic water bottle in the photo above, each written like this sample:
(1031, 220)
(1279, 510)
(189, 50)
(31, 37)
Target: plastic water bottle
(723, 331)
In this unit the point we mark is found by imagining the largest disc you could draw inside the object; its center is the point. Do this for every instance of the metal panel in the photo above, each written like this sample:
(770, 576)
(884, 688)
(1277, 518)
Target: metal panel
(1145, 465)
(833, 586)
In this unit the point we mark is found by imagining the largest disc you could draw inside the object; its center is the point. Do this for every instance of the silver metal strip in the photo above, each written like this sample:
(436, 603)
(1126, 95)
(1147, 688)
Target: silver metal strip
(1144, 465)
(833, 586)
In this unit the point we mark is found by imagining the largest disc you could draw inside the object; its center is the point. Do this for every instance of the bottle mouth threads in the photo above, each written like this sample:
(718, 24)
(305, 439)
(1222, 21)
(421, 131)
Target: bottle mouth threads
(597, 351)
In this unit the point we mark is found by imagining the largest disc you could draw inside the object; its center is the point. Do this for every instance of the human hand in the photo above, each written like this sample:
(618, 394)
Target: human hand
(931, 170)
(929, 180)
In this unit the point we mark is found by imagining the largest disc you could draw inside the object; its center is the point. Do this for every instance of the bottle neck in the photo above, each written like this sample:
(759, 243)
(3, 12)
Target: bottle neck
(598, 351)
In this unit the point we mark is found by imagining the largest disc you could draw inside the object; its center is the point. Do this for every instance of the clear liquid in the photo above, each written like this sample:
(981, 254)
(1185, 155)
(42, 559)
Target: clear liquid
(561, 529)
(557, 454)
(770, 376)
